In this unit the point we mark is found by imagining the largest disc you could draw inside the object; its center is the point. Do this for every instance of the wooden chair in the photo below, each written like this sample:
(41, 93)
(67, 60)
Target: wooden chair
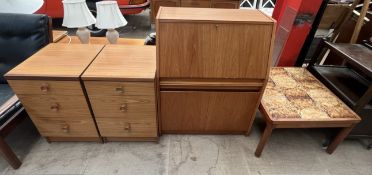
(351, 82)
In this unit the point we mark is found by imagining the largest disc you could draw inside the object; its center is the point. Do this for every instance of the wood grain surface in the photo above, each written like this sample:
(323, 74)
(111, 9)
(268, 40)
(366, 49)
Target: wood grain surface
(212, 14)
(50, 106)
(122, 127)
(129, 107)
(45, 87)
(200, 111)
(109, 88)
(59, 61)
(102, 40)
(65, 127)
(205, 50)
(122, 62)
(58, 35)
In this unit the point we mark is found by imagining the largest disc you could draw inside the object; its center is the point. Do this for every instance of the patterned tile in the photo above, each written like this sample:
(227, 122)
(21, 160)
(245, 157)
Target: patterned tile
(294, 93)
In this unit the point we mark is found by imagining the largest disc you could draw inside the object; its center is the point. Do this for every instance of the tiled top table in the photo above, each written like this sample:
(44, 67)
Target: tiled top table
(294, 98)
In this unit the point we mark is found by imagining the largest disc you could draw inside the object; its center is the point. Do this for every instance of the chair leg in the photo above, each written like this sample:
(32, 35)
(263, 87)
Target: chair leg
(338, 139)
(9, 155)
(265, 136)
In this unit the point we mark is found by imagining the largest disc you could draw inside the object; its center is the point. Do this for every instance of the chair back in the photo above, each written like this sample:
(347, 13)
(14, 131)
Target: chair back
(21, 35)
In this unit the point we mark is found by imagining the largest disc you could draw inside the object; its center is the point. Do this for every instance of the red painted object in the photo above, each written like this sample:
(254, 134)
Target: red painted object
(54, 8)
(294, 20)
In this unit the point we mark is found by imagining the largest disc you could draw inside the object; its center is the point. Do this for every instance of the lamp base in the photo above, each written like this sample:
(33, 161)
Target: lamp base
(83, 34)
(112, 36)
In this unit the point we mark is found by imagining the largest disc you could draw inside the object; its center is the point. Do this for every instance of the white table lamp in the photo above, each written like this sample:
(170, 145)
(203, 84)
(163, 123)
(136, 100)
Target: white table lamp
(77, 15)
(109, 17)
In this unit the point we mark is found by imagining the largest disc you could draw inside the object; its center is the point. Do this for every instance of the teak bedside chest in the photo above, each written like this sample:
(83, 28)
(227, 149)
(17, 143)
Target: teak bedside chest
(213, 66)
(121, 88)
(48, 85)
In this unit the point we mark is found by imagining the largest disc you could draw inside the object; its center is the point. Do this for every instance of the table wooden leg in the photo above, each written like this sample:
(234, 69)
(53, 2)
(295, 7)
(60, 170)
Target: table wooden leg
(265, 136)
(338, 139)
(9, 155)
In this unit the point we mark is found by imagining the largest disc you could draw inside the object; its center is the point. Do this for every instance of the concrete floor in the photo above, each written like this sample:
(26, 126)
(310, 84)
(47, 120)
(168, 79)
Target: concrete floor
(289, 151)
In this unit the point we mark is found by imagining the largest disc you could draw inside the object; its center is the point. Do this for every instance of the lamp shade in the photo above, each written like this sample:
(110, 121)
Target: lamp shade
(76, 14)
(20, 6)
(109, 15)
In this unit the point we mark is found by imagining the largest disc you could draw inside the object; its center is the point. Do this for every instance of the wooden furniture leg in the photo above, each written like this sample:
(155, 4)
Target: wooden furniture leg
(265, 136)
(338, 139)
(8, 154)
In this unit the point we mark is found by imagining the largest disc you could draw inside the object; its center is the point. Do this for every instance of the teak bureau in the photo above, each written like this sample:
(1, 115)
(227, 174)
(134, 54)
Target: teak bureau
(213, 66)
(49, 87)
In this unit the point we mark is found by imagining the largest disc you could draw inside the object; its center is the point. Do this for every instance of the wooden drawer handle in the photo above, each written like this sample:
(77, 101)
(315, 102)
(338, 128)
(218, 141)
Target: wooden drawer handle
(54, 107)
(44, 87)
(124, 108)
(127, 127)
(66, 128)
(119, 90)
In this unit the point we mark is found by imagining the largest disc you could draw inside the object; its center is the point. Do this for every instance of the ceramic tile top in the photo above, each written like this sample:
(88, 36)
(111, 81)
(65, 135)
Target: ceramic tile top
(295, 94)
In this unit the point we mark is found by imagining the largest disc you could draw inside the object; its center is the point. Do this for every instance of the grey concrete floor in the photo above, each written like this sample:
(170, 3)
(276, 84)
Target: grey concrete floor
(289, 151)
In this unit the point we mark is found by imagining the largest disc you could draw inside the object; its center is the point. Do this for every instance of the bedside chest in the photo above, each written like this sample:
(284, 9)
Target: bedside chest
(48, 85)
(120, 84)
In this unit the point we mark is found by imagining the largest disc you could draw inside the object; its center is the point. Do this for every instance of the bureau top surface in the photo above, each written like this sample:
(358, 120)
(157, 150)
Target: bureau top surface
(123, 62)
(56, 61)
(212, 14)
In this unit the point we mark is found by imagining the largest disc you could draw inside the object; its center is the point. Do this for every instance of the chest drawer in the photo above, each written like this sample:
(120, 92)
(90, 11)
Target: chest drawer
(130, 107)
(55, 106)
(41, 87)
(119, 88)
(119, 127)
(66, 127)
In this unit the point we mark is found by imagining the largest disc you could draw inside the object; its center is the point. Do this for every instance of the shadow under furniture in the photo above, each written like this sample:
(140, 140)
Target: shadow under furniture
(20, 36)
(351, 82)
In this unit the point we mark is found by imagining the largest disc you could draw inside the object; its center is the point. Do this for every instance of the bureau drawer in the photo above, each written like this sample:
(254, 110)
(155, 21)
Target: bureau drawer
(118, 127)
(65, 127)
(41, 87)
(132, 107)
(196, 3)
(55, 106)
(119, 88)
(207, 111)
